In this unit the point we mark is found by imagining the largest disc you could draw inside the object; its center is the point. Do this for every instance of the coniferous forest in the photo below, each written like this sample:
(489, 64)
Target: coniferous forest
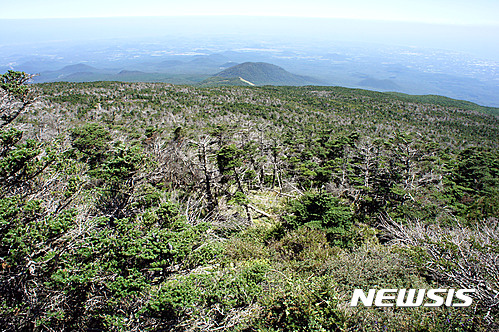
(156, 207)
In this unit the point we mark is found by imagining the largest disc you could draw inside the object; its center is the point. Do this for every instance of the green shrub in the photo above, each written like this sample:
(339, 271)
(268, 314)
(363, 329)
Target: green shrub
(301, 305)
(120, 165)
(92, 140)
(322, 211)
(304, 249)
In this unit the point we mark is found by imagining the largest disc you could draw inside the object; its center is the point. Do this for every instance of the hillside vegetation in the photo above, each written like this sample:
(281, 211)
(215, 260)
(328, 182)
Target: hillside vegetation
(155, 207)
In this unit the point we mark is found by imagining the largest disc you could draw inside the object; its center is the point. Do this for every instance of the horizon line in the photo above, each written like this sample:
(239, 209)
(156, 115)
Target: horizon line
(373, 20)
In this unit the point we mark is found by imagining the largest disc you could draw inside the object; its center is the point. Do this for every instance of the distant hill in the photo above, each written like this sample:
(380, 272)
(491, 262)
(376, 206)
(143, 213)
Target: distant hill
(80, 76)
(78, 68)
(131, 72)
(262, 73)
(38, 65)
(228, 65)
(79, 72)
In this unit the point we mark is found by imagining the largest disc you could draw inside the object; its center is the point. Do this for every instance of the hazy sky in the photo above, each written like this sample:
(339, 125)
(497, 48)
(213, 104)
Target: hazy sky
(466, 12)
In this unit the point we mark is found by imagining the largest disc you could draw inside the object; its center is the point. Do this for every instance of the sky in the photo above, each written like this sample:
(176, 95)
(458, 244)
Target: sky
(456, 12)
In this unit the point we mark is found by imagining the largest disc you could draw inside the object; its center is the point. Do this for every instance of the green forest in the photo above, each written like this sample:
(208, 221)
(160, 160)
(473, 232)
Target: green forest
(159, 207)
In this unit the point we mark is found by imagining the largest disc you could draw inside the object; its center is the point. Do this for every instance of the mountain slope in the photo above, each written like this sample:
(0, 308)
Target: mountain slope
(77, 72)
(148, 172)
(222, 81)
(262, 73)
(77, 68)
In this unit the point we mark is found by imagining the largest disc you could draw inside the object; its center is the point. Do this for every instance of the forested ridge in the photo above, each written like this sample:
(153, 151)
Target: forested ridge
(149, 206)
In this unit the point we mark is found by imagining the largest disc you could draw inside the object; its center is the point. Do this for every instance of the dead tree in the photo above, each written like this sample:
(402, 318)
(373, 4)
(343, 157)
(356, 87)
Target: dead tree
(203, 146)
(465, 257)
